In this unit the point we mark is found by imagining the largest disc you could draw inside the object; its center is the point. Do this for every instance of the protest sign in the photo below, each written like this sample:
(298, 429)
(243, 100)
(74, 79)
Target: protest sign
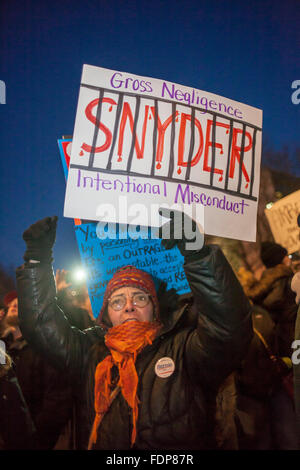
(144, 141)
(101, 258)
(65, 146)
(282, 217)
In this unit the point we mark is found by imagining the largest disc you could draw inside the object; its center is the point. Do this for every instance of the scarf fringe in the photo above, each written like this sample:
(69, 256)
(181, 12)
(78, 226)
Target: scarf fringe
(93, 435)
(125, 342)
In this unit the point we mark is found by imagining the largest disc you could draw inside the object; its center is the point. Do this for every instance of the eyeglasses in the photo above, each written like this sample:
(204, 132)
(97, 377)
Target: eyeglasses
(139, 299)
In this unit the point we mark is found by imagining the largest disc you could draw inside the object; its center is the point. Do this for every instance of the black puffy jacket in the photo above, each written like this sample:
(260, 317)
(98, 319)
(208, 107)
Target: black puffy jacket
(273, 292)
(17, 431)
(173, 411)
(46, 392)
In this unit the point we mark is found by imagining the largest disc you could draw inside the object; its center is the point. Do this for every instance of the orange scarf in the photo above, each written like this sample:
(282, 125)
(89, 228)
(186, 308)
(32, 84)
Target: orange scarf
(124, 342)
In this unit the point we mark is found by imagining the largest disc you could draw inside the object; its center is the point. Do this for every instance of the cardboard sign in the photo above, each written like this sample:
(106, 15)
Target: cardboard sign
(140, 142)
(101, 258)
(282, 217)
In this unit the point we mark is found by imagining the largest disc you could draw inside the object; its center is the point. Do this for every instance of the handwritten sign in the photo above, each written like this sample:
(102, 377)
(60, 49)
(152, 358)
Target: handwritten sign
(282, 217)
(152, 142)
(101, 258)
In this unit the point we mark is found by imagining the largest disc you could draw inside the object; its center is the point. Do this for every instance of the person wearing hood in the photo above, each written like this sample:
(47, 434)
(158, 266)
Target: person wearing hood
(146, 372)
(273, 292)
(265, 409)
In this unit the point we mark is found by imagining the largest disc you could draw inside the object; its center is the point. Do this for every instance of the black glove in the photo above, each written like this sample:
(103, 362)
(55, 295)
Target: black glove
(39, 239)
(181, 231)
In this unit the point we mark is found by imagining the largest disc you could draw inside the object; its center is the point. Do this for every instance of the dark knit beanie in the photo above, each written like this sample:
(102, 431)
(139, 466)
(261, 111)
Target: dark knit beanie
(132, 277)
(272, 254)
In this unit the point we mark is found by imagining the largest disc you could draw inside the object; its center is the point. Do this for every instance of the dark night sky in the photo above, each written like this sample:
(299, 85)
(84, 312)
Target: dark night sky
(246, 51)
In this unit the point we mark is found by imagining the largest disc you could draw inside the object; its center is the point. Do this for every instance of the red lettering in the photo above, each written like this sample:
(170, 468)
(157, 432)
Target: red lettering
(94, 120)
(66, 147)
(181, 141)
(208, 143)
(161, 133)
(235, 153)
(127, 114)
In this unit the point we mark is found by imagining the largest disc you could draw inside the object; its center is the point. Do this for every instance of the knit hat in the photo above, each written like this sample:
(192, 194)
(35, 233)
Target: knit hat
(272, 254)
(9, 297)
(132, 277)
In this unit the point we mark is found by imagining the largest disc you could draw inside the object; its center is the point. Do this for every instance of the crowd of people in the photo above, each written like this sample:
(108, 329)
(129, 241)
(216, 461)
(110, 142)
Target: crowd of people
(154, 370)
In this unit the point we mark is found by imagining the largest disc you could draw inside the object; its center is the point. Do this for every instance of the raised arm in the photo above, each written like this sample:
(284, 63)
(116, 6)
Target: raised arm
(220, 341)
(42, 322)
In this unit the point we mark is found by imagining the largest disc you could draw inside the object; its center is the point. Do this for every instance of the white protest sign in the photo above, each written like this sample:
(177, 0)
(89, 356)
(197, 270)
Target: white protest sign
(139, 142)
(282, 217)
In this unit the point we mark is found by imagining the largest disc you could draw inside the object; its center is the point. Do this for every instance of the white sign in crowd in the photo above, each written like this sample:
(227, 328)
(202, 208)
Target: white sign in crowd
(282, 217)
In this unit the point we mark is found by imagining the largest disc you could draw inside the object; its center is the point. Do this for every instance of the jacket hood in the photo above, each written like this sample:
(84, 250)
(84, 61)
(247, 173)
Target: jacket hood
(258, 289)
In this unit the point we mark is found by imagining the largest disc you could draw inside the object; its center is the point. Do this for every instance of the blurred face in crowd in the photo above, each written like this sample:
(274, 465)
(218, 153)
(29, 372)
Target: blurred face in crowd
(129, 304)
(12, 312)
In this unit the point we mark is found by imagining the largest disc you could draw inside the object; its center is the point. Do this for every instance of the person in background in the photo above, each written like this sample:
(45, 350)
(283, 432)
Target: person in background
(266, 406)
(73, 299)
(143, 373)
(259, 382)
(273, 292)
(295, 286)
(46, 392)
(17, 431)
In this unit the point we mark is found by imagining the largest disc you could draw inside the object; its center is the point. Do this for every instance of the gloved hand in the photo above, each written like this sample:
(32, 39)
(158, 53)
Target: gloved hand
(181, 231)
(39, 239)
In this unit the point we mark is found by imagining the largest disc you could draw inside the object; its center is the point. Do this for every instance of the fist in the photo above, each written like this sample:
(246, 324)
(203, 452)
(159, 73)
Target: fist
(39, 239)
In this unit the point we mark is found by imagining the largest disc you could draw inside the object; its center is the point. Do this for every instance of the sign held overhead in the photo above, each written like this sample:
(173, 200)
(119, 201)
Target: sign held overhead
(156, 142)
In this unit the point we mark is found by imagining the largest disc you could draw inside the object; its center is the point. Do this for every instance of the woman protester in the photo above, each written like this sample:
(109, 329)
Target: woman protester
(145, 374)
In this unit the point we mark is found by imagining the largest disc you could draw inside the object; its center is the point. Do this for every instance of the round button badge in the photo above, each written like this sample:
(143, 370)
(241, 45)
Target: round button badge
(164, 367)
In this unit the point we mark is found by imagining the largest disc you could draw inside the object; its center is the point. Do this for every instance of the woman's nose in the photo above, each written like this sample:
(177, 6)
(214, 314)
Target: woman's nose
(129, 307)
